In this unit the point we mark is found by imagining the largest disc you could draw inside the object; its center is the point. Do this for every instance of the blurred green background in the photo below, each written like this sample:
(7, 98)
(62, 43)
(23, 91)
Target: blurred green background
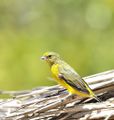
(81, 31)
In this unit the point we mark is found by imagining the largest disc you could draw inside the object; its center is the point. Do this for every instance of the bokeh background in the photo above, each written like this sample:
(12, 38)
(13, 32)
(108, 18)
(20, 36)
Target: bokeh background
(81, 31)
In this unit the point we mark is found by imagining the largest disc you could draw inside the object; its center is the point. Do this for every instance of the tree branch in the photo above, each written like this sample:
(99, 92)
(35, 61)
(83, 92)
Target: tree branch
(54, 103)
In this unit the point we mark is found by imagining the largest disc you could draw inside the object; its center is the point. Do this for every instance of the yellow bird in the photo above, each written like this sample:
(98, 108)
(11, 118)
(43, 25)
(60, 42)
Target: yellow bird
(66, 76)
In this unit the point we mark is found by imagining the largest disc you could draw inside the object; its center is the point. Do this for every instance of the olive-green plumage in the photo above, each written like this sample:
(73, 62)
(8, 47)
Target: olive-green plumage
(66, 76)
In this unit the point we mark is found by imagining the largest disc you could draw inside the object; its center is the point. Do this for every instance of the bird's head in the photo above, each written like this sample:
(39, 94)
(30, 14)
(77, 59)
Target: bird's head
(50, 57)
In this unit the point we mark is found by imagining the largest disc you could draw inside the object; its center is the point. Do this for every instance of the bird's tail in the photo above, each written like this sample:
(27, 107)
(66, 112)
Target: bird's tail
(98, 99)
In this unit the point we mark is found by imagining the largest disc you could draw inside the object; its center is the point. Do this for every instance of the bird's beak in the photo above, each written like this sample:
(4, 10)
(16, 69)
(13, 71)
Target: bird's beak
(44, 58)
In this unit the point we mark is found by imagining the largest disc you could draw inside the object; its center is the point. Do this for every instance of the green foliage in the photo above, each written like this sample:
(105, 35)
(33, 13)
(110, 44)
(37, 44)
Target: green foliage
(80, 31)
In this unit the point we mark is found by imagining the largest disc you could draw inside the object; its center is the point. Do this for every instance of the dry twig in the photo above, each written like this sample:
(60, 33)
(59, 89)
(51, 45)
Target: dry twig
(51, 103)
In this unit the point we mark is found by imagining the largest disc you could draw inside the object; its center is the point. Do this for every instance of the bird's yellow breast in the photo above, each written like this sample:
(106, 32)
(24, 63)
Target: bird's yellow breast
(55, 70)
(55, 73)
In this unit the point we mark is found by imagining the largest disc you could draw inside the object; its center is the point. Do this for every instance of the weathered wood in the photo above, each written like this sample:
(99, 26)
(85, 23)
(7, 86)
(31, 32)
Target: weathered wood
(53, 102)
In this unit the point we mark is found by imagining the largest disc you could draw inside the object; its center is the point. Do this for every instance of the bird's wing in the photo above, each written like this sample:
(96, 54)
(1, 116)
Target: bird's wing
(72, 78)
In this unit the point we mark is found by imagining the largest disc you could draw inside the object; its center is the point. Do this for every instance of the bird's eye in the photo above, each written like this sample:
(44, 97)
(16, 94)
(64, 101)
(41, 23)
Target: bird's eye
(49, 56)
